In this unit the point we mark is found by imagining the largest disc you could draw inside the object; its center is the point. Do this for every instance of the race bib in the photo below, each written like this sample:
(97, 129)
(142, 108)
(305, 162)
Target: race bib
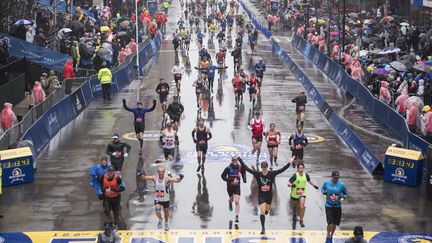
(178, 75)
(202, 142)
(118, 154)
(138, 120)
(163, 90)
(235, 182)
(160, 194)
(299, 191)
(334, 197)
(265, 188)
(301, 107)
(298, 146)
(198, 90)
(169, 142)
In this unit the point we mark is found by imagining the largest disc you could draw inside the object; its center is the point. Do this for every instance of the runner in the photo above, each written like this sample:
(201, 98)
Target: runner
(236, 54)
(162, 193)
(139, 119)
(163, 90)
(200, 135)
(297, 142)
(252, 82)
(116, 150)
(273, 138)
(169, 139)
(231, 175)
(335, 193)
(199, 88)
(260, 68)
(186, 42)
(175, 110)
(200, 37)
(111, 184)
(253, 38)
(220, 58)
(300, 101)
(265, 180)
(257, 126)
(298, 192)
(178, 72)
(237, 83)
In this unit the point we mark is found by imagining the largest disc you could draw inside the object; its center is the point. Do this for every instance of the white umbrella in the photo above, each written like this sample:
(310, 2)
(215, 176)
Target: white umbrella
(414, 100)
(404, 24)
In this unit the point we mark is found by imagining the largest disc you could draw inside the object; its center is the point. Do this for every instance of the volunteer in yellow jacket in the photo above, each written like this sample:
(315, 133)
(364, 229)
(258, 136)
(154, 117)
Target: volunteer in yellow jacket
(298, 192)
(105, 78)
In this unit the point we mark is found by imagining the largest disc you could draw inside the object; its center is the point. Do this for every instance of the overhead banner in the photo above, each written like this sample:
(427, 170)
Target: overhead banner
(37, 55)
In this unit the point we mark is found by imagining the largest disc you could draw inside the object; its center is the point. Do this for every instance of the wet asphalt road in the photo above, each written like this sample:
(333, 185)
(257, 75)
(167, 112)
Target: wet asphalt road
(62, 199)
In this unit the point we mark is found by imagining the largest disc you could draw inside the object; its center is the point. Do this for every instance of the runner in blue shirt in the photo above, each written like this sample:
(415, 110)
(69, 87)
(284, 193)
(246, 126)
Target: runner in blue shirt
(139, 118)
(335, 192)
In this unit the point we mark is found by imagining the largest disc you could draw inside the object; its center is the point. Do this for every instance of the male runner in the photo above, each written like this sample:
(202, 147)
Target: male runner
(162, 197)
(175, 109)
(169, 139)
(273, 138)
(258, 127)
(139, 118)
(260, 68)
(178, 72)
(300, 101)
(163, 90)
(265, 180)
(200, 135)
(297, 142)
(335, 193)
(237, 83)
(298, 192)
(231, 175)
(116, 150)
(111, 185)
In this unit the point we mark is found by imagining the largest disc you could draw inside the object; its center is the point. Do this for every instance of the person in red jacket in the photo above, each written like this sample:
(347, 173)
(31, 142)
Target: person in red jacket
(164, 20)
(68, 71)
(153, 30)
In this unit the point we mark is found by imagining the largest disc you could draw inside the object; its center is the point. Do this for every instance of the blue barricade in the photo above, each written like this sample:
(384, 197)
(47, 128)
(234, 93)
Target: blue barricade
(362, 152)
(47, 126)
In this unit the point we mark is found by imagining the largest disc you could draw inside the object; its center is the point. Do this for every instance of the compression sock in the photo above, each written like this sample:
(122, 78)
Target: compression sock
(297, 121)
(141, 142)
(275, 160)
(302, 123)
(262, 219)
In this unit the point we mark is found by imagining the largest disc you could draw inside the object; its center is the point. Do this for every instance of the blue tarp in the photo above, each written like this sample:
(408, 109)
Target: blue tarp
(38, 55)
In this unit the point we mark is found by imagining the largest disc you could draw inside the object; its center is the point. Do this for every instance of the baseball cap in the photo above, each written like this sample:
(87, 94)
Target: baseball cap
(335, 174)
(426, 108)
(233, 158)
(257, 113)
(110, 168)
(358, 231)
(115, 135)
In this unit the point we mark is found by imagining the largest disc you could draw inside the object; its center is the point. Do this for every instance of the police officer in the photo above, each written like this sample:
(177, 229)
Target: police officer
(105, 78)
(117, 153)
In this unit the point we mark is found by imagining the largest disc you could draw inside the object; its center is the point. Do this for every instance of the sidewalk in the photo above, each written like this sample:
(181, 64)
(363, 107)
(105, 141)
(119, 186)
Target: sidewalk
(370, 131)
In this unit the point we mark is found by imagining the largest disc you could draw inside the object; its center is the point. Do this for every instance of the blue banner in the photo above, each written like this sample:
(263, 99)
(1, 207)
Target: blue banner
(37, 55)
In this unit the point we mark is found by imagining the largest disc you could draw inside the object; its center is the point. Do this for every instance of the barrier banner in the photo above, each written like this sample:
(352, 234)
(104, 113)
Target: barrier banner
(96, 87)
(38, 55)
(78, 102)
(87, 93)
(65, 113)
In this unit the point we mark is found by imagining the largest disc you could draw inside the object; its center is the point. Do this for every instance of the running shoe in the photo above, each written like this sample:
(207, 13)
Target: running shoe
(159, 224)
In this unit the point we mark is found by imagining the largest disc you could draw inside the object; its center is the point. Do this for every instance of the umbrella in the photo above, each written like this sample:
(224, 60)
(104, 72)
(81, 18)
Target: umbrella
(381, 60)
(387, 19)
(408, 64)
(398, 66)
(363, 53)
(389, 50)
(414, 100)
(381, 71)
(420, 68)
(124, 24)
(76, 26)
(23, 22)
(104, 28)
(62, 32)
(353, 15)
(121, 33)
(409, 57)
(404, 24)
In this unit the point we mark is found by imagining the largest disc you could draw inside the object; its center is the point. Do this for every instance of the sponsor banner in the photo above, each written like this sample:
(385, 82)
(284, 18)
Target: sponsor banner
(211, 236)
(78, 102)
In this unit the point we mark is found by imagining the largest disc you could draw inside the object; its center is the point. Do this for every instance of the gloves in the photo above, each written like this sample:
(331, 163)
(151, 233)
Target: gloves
(100, 196)
(316, 187)
(342, 199)
(114, 153)
(126, 155)
(154, 101)
(124, 101)
(181, 176)
(139, 173)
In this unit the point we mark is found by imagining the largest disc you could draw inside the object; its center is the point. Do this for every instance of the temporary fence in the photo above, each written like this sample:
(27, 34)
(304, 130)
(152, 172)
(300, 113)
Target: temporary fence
(383, 113)
(365, 156)
(70, 106)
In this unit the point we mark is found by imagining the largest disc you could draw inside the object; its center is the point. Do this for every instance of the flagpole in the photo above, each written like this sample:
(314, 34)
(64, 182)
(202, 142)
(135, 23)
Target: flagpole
(137, 39)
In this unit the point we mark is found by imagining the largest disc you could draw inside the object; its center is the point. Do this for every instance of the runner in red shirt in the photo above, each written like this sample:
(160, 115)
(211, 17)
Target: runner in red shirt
(258, 127)
(253, 84)
(237, 82)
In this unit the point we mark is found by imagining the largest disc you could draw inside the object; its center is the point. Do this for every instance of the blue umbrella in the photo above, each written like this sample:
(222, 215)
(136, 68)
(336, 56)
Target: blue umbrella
(23, 22)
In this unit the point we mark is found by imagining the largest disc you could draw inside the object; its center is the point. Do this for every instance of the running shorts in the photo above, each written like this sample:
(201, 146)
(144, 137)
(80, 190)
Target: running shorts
(202, 148)
(163, 204)
(168, 152)
(333, 215)
(139, 128)
(163, 98)
(265, 197)
(257, 139)
(298, 153)
(233, 190)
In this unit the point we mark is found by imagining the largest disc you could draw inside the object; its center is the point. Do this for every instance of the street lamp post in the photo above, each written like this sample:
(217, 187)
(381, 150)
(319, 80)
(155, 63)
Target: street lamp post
(137, 39)
(305, 5)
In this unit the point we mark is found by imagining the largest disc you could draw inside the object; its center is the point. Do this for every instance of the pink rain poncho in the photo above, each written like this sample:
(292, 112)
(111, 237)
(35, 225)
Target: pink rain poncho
(123, 55)
(38, 93)
(132, 46)
(400, 101)
(385, 93)
(321, 44)
(335, 51)
(356, 70)
(7, 116)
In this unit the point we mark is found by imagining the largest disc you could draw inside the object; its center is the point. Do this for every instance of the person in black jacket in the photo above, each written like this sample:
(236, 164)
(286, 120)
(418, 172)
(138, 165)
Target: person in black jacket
(117, 153)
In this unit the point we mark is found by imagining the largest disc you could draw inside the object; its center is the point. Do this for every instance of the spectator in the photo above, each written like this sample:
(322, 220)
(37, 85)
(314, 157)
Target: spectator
(38, 93)
(132, 46)
(356, 70)
(412, 115)
(385, 93)
(29, 35)
(123, 55)
(43, 80)
(358, 236)
(75, 54)
(105, 78)
(109, 235)
(420, 89)
(7, 116)
(427, 123)
(400, 102)
(68, 71)
(52, 84)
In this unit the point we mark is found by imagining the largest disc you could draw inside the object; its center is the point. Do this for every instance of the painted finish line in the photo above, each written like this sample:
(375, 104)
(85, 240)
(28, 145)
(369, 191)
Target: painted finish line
(153, 135)
(212, 236)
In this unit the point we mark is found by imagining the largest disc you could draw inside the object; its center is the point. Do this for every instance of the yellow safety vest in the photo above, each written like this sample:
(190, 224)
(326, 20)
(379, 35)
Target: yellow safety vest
(105, 76)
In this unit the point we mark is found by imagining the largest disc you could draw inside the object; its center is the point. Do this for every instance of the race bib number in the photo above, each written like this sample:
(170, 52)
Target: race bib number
(211, 71)
(163, 90)
(138, 120)
(235, 182)
(299, 146)
(178, 75)
(334, 197)
(160, 194)
(202, 142)
(198, 91)
(301, 108)
(169, 142)
(118, 154)
(265, 188)
(299, 191)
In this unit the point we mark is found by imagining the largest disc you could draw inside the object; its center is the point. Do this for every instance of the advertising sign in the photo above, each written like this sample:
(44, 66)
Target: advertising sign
(17, 166)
